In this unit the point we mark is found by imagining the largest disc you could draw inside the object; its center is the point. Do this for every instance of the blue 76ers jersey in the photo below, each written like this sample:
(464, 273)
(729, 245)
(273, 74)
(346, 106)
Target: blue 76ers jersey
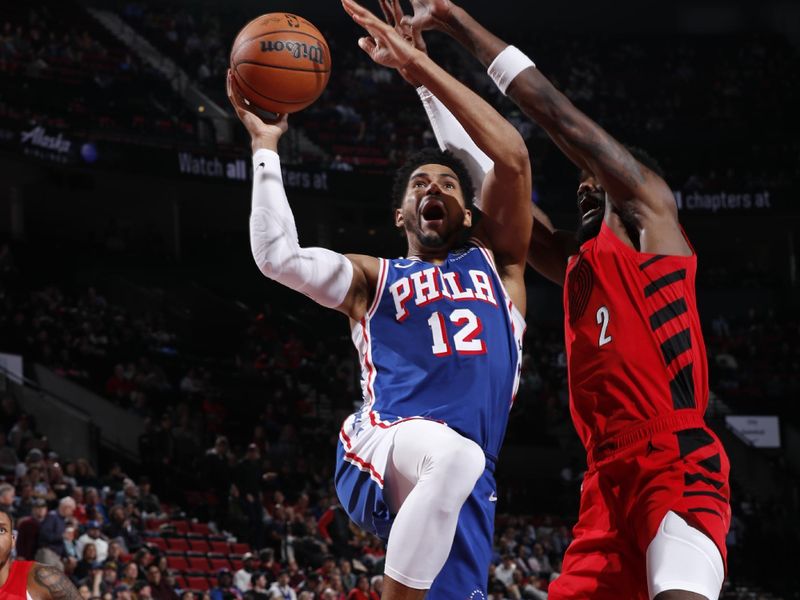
(442, 342)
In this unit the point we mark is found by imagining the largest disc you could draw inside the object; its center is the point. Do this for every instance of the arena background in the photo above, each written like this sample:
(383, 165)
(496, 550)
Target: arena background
(136, 330)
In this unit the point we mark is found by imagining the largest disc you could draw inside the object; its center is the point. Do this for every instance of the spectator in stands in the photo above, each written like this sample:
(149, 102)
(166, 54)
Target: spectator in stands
(217, 468)
(71, 555)
(334, 525)
(225, 590)
(28, 530)
(539, 561)
(23, 503)
(130, 573)
(362, 590)
(249, 471)
(51, 532)
(260, 587)
(159, 588)
(376, 585)
(109, 577)
(505, 570)
(148, 504)
(242, 579)
(87, 563)
(7, 494)
(349, 579)
(142, 590)
(115, 552)
(95, 509)
(93, 536)
(282, 589)
(121, 528)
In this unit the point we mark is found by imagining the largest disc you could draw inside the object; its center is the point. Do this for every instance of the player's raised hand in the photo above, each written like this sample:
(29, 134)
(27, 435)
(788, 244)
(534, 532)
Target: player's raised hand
(263, 133)
(429, 14)
(393, 13)
(384, 45)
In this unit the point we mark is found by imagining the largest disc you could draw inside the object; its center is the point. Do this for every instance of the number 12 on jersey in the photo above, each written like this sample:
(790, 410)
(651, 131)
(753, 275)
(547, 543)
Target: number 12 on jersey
(465, 341)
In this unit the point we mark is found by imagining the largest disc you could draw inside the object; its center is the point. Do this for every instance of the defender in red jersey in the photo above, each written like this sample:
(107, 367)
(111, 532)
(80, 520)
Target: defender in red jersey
(26, 580)
(655, 499)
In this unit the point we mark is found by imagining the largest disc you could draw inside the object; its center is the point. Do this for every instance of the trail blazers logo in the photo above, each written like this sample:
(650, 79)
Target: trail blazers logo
(579, 288)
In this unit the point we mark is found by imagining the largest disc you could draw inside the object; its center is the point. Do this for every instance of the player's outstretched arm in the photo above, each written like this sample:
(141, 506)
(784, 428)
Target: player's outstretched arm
(50, 583)
(632, 187)
(507, 187)
(344, 283)
(549, 248)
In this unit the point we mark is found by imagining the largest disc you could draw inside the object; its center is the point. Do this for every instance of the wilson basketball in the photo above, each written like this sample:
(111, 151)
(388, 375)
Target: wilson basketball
(281, 62)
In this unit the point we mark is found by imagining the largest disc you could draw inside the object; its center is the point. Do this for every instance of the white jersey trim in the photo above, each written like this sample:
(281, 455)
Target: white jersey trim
(518, 324)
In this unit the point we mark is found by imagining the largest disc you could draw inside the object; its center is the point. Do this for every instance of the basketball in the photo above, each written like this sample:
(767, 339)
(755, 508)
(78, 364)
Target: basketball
(281, 62)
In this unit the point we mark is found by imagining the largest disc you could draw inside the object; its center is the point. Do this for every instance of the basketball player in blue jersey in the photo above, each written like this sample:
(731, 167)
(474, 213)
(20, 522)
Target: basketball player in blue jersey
(438, 333)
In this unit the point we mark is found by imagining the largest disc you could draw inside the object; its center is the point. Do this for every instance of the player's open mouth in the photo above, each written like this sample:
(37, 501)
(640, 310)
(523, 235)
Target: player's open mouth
(432, 209)
(590, 204)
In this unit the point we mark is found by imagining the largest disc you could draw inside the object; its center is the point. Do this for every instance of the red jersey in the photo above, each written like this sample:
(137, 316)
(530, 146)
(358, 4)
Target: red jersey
(635, 349)
(16, 586)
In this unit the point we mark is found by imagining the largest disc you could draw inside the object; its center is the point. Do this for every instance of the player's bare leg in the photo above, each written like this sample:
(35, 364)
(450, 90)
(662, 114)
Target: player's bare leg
(394, 590)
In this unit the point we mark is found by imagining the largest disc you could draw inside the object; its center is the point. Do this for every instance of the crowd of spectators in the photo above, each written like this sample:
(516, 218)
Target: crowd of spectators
(60, 68)
(709, 89)
(710, 124)
(245, 447)
(754, 362)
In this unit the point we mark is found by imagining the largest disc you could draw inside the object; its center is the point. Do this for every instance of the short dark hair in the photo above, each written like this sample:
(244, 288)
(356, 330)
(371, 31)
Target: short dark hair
(432, 156)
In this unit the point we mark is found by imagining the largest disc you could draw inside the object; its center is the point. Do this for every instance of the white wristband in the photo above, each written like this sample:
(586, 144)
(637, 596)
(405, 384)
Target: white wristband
(507, 65)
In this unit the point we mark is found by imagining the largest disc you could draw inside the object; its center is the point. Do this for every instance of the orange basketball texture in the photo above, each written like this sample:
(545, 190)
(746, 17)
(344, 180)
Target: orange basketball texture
(280, 62)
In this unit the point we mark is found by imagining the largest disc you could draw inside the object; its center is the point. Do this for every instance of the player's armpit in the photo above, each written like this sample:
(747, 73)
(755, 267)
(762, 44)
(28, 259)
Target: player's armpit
(50, 583)
(363, 287)
(550, 250)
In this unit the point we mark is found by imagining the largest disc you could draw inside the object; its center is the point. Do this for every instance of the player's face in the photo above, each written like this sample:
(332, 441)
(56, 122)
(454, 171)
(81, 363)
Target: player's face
(433, 210)
(6, 538)
(591, 207)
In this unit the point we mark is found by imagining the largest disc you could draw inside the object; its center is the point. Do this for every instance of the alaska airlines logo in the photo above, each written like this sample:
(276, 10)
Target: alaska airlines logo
(297, 49)
(431, 284)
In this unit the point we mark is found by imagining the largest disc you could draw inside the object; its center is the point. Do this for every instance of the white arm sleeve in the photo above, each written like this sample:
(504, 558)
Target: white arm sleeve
(452, 136)
(322, 275)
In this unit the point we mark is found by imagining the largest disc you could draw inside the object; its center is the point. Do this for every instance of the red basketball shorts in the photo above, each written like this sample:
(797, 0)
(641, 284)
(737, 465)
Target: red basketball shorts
(669, 463)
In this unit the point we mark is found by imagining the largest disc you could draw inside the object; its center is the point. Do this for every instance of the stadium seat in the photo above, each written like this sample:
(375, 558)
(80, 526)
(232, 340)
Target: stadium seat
(220, 546)
(198, 563)
(194, 582)
(178, 544)
(157, 542)
(198, 544)
(218, 562)
(180, 525)
(240, 548)
(177, 562)
(201, 528)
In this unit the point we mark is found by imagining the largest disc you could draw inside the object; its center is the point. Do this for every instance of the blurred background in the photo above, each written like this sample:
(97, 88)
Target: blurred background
(189, 407)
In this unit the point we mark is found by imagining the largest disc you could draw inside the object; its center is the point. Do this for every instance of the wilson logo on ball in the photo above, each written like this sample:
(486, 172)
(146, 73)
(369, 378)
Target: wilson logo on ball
(297, 49)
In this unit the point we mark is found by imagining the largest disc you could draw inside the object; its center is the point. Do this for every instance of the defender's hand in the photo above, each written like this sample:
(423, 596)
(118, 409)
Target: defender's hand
(384, 45)
(263, 134)
(393, 13)
(430, 14)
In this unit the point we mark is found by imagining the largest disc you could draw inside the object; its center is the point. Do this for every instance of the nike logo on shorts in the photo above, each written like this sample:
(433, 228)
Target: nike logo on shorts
(493, 497)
